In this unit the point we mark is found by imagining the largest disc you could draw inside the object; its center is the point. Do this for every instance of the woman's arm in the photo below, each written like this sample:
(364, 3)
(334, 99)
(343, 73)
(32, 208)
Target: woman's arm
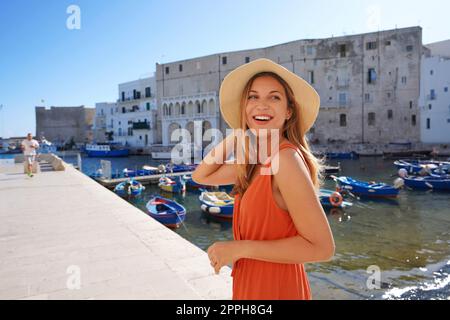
(214, 170)
(315, 241)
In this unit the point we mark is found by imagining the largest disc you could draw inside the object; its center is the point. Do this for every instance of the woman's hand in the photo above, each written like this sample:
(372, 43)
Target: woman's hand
(223, 253)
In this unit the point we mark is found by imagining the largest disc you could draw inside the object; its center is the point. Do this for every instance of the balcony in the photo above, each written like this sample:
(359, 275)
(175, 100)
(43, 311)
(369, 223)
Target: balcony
(127, 100)
(141, 126)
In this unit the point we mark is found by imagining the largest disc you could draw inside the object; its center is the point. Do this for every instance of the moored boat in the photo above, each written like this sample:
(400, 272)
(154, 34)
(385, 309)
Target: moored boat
(129, 188)
(106, 150)
(365, 189)
(428, 183)
(218, 204)
(172, 185)
(168, 212)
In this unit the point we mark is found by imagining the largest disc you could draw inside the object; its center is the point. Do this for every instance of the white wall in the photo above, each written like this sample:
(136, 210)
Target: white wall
(435, 76)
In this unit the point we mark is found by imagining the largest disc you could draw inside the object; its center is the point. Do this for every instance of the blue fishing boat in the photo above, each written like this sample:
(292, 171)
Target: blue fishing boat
(332, 199)
(106, 150)
(433, 182)
(129, 173)
(174, 168)
(168, 212)
(192, 185)
(129, 188)
(218, 204)
(342, 155)
(172, 185)
(365, 189)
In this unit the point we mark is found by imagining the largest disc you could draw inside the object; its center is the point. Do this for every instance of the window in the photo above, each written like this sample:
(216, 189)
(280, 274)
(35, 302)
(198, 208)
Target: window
(148, 92)
(247, 59)
(429, 106)
(372, 76)
(101, 112)
(367, 97)
(409, 48)
(180, 67)
(448, 120)
(388, 43)
(310, 50)
(140, 137)
(123, 96)
(167, 70)
(224, 60)
(112, 111)
(371, 45)
(432, 94)
(431, 72)
(198, 108)
(413, 120)
(410, 104)
(446, 89)
(343, 50)
(390, 114)
(182, 109)
(311, 77)
(343, 120)
(389, 95)
(404, 80)
(371, 118)
(428, 123)
(342, 99)
(123, 110)
(147, 105)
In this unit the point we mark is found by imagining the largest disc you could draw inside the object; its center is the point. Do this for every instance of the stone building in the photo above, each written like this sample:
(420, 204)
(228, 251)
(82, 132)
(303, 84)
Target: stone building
(368, 84)
(62, 124)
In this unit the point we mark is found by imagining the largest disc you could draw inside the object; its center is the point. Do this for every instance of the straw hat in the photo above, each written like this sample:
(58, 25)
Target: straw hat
(234, 83)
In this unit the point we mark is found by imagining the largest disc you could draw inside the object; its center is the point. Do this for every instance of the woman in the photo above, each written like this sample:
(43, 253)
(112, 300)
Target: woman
(278, 222)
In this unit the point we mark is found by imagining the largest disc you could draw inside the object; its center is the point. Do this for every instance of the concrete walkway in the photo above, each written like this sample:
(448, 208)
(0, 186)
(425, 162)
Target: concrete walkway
(63, 236)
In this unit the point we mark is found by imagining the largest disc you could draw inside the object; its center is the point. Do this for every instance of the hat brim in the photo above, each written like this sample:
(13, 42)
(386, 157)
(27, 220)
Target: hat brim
(234, 84)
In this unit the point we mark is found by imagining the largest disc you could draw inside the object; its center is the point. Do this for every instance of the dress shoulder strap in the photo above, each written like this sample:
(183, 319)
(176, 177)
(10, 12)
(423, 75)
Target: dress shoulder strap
(292, 146)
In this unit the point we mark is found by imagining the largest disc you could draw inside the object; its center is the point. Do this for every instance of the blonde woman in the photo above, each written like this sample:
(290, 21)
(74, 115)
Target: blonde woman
(278, 221)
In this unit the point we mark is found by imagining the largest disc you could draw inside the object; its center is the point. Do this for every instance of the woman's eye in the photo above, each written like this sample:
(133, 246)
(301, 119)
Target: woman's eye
(252, 97)
(276, 98)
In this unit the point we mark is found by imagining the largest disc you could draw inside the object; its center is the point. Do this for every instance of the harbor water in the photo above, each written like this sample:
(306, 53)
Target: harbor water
(407, 239)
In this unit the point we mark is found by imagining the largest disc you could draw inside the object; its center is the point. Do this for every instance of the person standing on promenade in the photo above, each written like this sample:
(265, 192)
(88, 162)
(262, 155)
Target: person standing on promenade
(29, 147)
(278, 221)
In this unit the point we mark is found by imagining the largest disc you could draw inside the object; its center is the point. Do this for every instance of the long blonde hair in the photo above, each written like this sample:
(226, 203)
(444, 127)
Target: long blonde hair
(292, 131)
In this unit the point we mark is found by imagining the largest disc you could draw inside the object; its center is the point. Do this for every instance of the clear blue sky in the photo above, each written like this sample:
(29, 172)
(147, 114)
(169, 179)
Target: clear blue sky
(122, 40)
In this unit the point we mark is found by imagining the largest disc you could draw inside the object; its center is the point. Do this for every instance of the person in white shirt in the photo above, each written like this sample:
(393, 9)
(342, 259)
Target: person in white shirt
(29, 147)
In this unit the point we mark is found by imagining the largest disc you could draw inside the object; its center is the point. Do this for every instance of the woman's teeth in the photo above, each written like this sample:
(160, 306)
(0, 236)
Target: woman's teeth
(262, 118)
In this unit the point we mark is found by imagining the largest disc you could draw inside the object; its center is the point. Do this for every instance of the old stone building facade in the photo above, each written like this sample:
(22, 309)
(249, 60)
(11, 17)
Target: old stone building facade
(62, 124)
(368, 84)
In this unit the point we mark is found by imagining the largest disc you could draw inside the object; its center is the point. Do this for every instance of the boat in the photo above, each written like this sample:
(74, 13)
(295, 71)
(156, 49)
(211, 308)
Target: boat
(365, 189)
(129, 173)
(46, 147)
(428, 183)
(171, 185)
(423, 166)
(129, 188)
(342, 155)
(329, 170)
(106, 150)
(332, 199)
(174, 168)
(218, 204)
(168, 212)
(191, 184)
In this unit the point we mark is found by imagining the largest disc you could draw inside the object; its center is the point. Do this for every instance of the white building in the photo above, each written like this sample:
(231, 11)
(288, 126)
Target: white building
(103, 123)
(135, 115)
(434, 101)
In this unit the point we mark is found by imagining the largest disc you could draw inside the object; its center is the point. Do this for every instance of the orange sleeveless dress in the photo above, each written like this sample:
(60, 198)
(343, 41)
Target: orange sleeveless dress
(257, 217)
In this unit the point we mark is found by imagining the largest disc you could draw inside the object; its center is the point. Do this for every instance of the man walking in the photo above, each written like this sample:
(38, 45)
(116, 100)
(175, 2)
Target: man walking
(29, 147)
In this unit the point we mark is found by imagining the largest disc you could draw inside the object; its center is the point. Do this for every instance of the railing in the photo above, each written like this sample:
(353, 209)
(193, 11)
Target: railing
(141, 126)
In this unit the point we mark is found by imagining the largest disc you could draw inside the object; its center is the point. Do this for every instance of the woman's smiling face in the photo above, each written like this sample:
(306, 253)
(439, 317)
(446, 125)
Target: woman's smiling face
(267, 105)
